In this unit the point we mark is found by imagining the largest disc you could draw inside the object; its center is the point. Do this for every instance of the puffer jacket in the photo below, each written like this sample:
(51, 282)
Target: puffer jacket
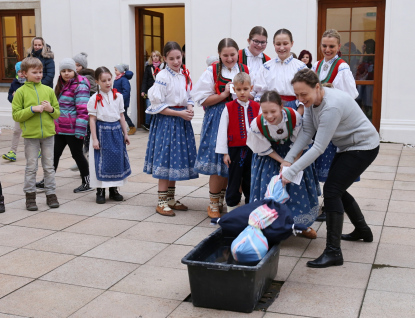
(89, 74)
(73, 100)
(123, 87)
(48, 65)
(34, 125)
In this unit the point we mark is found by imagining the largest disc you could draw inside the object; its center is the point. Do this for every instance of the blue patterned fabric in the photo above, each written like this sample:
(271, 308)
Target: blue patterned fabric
(171, 148)
(208, 161)
(111, 159)
(303, 202)
(323, 163)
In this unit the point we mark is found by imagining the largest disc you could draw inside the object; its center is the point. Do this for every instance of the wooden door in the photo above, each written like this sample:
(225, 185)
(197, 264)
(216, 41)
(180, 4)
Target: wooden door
(361, 26)
(149, 37)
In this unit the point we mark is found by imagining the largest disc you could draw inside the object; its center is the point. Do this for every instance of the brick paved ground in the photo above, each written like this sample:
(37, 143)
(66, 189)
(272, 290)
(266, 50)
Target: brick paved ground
(123, 260)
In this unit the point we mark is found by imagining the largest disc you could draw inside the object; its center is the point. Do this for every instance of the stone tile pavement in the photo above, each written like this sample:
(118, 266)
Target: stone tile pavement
(123, 260)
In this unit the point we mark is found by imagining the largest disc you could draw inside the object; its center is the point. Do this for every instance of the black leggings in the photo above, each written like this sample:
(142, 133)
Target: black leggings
(344, 170)
(75, 145)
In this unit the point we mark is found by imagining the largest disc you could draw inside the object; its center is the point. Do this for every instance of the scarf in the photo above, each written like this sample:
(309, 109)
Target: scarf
(119, 76)
(156, 64)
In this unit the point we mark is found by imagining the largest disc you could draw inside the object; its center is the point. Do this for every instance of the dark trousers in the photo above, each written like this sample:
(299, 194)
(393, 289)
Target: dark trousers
(239, 174)
(75, 145)
(344, 170)
(1, 189)
(128, 119)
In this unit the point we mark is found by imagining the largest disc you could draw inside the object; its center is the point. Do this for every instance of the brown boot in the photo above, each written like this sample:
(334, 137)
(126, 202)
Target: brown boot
(52, 201)
(310, 233)
(173, 204)
(213, 208)
(132, 131)
(162, 206)
(31, 201)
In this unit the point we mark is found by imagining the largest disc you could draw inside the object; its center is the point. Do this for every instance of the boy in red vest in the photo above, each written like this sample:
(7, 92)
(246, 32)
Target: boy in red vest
(235, 121)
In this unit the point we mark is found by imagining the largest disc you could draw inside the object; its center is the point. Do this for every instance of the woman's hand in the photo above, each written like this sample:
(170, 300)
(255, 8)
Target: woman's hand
(95, 144)
(186, 114)
(227, 160)
(126, 140)
(143, 94)
(284, 164)
(284, 181)
(227, 90)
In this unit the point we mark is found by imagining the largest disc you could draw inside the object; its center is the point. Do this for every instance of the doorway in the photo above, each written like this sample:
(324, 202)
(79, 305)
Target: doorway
(154, 27)
(361, 26)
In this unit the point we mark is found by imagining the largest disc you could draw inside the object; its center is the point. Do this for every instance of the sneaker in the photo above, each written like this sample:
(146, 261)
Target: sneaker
(39, 155)
(145, 127)
(84, 187)
(11, 155)
(40, 186)
(52, 201)
(132, 131)
(74, 167)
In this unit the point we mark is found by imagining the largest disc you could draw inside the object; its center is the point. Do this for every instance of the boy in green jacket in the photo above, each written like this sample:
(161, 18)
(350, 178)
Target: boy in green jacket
(35, 107)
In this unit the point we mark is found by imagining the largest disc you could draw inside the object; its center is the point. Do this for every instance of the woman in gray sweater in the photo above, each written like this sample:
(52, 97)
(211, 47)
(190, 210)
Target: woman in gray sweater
(334, 116)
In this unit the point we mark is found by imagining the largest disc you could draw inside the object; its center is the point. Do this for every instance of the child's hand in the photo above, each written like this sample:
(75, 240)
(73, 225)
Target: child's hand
(190, 108)
(127, 140)
(227, 90)
(284, 164)
(186, 115)
(143, 94)
(95, 144)
(38, 108)
(13, 93)
(227, 160)
(47, 106)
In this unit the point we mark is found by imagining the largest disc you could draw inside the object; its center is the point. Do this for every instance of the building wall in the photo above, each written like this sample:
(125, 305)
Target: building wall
(106, 31)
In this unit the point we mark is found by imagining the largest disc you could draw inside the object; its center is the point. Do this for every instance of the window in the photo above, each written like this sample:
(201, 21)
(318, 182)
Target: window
(17, 28)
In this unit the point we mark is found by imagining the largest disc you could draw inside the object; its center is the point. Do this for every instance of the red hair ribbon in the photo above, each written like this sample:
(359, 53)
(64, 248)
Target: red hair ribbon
(98, 99)
(186, 74)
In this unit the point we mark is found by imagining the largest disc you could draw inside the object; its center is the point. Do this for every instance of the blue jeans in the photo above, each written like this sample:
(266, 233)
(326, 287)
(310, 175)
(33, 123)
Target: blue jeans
(148, 116)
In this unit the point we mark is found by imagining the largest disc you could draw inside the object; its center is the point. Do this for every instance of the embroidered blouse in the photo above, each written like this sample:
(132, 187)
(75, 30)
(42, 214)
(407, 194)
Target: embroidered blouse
(109, 110)
(205, 86)
(277, 75)
(253, 62)
(169, 89)
(344, 80)
(261, 145)
(222, 139)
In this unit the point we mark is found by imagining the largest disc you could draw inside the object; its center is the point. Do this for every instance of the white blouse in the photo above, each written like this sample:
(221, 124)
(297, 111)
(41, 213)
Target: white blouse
(254, 63)
(169, 89)
(344, 79)
(222, 139)
(261, 145)
(277, 75)
(111, 110)
(205, 86)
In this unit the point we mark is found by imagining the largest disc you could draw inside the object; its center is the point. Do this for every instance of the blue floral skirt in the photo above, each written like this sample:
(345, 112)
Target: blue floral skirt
(303, 202)
(171, 149)
(208, 161)
(323, 163)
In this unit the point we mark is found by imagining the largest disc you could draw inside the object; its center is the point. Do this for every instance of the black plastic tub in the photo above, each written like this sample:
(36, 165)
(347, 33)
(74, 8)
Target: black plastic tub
(218, 281)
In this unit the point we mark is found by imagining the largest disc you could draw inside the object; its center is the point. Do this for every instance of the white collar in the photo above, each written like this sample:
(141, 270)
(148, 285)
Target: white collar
(174, 73)
(248, 53)
(286, 61)
(331, 61)
(233, 67)
(244, 104)
(284, 119)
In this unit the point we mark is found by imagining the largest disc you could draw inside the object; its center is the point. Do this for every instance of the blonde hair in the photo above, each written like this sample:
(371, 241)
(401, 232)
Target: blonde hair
(332, 33)
(242, 78)
(30, 62)
(150, 59)
(44, 48)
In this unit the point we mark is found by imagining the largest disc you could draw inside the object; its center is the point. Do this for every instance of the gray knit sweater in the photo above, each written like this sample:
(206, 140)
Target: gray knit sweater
(338, 119)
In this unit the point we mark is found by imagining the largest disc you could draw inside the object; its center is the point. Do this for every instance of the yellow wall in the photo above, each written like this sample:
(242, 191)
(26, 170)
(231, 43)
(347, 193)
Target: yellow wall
(173, 24)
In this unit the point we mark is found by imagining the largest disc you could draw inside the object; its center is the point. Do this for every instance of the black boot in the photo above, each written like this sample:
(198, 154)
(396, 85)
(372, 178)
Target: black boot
(2, 207)
(362, 231)
(100, 196)
(114, 195)
(322, 216)
(332, 255)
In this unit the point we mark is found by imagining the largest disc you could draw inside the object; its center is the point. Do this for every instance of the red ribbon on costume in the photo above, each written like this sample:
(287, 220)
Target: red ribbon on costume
(186, 74)
(98, 99)
(114, 93)
(156, 71)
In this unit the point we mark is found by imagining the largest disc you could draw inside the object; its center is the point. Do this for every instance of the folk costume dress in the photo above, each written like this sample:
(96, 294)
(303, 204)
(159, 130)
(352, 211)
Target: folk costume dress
(232, 136)
(254, 63)
(109, 166)
(262, 139)
(171, 147)
(277, 75)
(337, 72)
(209, 162)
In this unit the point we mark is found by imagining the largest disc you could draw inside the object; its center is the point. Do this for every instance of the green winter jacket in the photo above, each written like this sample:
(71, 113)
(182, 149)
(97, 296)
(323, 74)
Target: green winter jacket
(35, 125)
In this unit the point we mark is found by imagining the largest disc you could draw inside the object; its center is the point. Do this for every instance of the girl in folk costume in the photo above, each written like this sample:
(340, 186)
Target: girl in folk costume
(108, 158)
(154, 66)
(212, 91)
(277, 73)
(171, 148)
(253, 55)
(271, 136)
(334, 71)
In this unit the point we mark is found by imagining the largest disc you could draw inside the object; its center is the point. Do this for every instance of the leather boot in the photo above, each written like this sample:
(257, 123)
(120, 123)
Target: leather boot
(100, 196)
(362, 231)
(31, 201)
(332, 255)
(115, 195)
(2, 207)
